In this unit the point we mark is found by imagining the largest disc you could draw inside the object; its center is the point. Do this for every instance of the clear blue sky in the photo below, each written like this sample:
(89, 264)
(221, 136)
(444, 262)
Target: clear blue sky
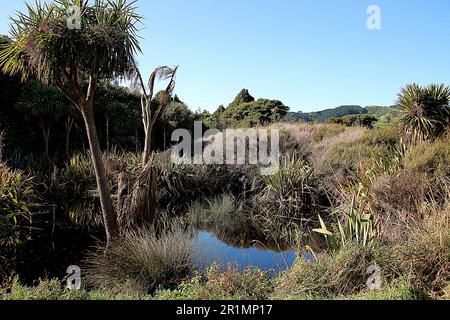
(311, 54)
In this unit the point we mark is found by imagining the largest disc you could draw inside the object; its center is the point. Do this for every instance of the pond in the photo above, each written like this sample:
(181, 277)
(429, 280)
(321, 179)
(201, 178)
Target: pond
(226, 234)
(242, 255)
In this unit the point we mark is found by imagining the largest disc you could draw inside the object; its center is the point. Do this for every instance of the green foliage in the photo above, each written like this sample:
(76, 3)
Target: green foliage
(392, 117)
(49, 52)
(42, 105)
(286, 199)
(118, 116)
(251, 284)
(242, 97)
(355, 121)
(403, 290)
(181, 184)
(17, 197)
(341, 111)
(17, 194)
(298, 117)
(424, 112)
(377, 110)
(52, 290)
(178, 115)
(354, 225)
(40, 102)
(323, 116)
(419, 269)
(244, 111)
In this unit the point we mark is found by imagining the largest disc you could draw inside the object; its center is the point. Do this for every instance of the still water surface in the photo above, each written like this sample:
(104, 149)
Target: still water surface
(211, 249)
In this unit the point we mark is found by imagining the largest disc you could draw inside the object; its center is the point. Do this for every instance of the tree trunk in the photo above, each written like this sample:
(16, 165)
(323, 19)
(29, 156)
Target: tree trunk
(136, 140)
(109, 216)
(165, 138)
(69, 126)
(107, 134)
(148, 144)
(46, 136)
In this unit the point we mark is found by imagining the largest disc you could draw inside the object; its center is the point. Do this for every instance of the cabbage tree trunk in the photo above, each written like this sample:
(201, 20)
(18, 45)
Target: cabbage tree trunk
(109, 217)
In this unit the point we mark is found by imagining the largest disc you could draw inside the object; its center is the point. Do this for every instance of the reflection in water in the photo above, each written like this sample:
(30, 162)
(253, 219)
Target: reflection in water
(210, 250)
(227, 236)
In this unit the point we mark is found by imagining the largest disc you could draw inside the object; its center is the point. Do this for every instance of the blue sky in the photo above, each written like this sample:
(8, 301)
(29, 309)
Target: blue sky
(310, 54)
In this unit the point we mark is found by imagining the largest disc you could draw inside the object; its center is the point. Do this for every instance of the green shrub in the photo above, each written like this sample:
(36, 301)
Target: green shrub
(286, 199)
(181, 184)
(17, 194)
(356, 224)
(355, 120)
(251, 284)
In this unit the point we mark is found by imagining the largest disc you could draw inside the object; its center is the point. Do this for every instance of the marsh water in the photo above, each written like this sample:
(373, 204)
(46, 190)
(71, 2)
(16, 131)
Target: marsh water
(212, 248)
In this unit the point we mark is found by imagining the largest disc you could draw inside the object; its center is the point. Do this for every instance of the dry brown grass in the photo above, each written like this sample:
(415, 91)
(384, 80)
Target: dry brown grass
(350, 136)
(297, 138)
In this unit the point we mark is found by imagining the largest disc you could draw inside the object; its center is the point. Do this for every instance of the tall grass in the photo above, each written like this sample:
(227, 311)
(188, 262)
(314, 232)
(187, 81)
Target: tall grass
(217, 212)
(288, 198)
(142, 260)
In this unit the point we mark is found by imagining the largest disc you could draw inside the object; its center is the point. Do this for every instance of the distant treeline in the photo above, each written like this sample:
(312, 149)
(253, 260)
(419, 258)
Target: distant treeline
(342, 111)
(38, 119)
(245, 111)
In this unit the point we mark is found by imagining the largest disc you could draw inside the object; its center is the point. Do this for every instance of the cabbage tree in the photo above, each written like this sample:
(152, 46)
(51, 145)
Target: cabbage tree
(47, 45)
(424, 111)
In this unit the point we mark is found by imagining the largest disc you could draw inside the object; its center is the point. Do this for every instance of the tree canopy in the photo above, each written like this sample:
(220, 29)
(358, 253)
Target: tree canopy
(246, 111)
